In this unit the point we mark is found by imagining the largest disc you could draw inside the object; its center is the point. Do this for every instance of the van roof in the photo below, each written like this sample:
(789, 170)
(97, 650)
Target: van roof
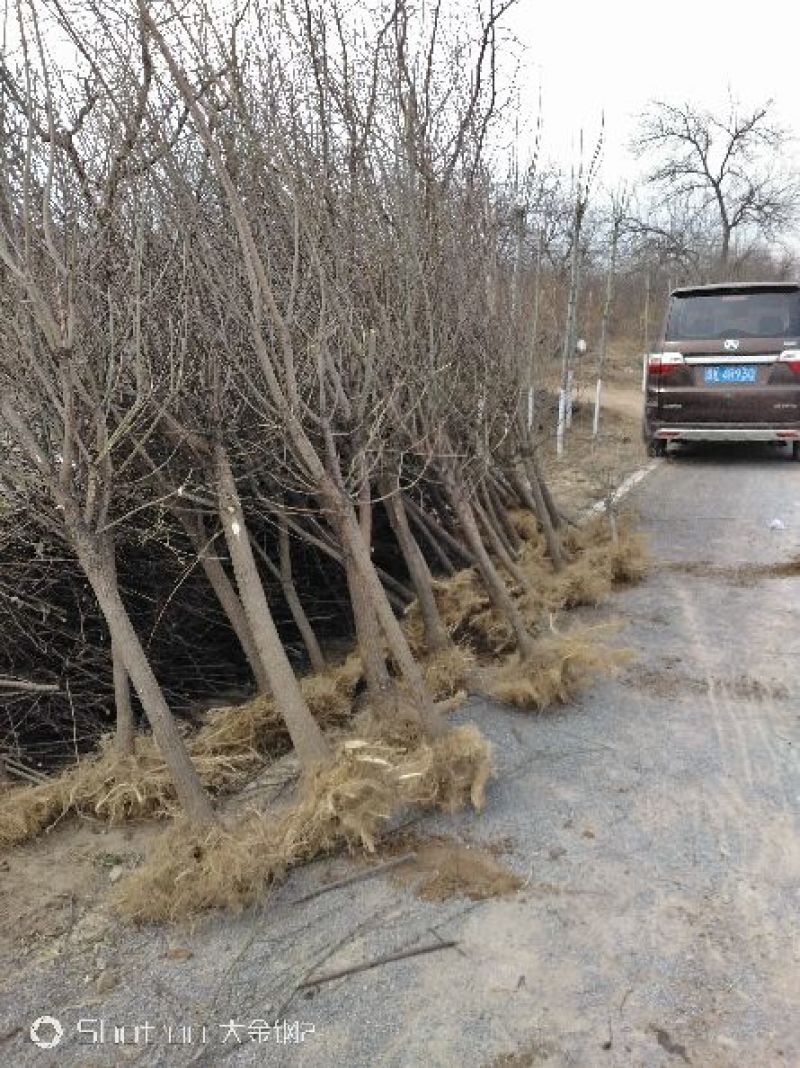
(736, 287)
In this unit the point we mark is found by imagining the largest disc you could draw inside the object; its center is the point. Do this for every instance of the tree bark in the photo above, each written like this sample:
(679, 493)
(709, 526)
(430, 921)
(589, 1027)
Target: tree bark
(226, 595)
(97, 561)
(537, 478)
(368, 632)
(531, 491)
(436, 636)
(486, 506)
(305, 733)
(302, 622)
(499, 509)
(291, 596)
(124, 736)
(366, 619)
(434, 544)
(499, 548)
(495, 587)
(353, 542)
(440, 531)
(331, 551)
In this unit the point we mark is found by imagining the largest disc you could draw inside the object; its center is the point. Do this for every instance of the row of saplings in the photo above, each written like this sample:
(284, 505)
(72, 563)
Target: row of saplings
(382, 759)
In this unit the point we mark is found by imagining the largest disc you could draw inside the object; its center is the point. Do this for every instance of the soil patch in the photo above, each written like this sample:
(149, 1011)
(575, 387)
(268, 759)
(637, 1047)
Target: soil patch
(665, 683)
(736, 574)
(444, 868)
(671, 683)
(534, 1053)
(52, 887)
(753, 689)
(591, 468)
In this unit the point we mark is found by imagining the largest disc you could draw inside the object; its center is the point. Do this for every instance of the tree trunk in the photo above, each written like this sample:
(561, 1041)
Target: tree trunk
(370, 639)
(726, 247)
(353, 542)
(498, 547)
(368, 632)
(490, 512)
(534, 498)
(399, 602)
(433, 543)
(305, 733)
(502, 489)
(399, 594)
(536, 477)
(499, 509)
(225, 594)
(436, 636)
(284, 576)
(495, 587)
(302, 622)
(439, 530)
(123, 739)
(97, 560)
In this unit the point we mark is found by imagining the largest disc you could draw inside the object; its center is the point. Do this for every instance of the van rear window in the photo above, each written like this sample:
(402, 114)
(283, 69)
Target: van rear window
(703, 316)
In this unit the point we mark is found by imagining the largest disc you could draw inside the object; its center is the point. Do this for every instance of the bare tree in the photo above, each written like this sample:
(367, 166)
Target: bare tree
(584, 181)
(618, 211)
(722, 166)
(247, 303)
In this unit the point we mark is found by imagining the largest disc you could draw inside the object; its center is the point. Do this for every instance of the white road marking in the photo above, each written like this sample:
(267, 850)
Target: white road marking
(621, 491)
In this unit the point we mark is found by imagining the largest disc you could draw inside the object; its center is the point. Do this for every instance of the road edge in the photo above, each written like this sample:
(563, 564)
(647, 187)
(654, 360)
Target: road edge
(622, 490)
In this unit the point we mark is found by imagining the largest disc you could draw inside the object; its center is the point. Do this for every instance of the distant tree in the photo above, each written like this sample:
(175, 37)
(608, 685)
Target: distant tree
(720, 167)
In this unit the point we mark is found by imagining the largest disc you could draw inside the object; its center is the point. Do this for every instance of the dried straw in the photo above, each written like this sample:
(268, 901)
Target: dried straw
(561, 664)
(347, 801)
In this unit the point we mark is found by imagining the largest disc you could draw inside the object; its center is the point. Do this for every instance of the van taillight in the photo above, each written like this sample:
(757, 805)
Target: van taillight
(791, 357)
(661, 363)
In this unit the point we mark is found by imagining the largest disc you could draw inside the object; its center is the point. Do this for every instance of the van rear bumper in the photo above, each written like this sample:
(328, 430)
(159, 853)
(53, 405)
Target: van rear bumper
(725, 433)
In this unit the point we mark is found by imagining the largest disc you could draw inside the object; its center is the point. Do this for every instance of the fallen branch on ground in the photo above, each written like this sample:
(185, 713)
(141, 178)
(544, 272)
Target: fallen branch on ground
(389, 958)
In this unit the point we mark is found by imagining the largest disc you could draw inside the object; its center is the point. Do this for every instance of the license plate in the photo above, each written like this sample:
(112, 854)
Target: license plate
(731, 373)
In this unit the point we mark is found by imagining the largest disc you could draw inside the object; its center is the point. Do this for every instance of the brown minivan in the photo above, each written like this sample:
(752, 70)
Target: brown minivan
(727, 367)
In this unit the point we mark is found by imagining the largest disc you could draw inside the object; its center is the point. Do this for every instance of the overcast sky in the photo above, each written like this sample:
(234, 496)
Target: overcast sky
(615, 56)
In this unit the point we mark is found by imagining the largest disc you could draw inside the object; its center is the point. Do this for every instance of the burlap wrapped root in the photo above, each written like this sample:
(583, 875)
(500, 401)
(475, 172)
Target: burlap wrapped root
(110, 787)
(231, 744)
(348, 801)
(561, 664)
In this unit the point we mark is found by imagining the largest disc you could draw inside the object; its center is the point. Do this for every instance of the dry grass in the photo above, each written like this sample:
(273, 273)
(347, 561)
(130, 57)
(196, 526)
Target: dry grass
(448, 672)
(257, 728)
(108, 787)
(347, 801)
(467, 613)
(459, 599)
(600, 557)
(561, 664)
(627, 558)
(527, 526)
(230, 745)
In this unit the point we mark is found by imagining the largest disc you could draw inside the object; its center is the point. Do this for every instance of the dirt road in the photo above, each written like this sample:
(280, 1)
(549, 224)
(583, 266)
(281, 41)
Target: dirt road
(654, 826)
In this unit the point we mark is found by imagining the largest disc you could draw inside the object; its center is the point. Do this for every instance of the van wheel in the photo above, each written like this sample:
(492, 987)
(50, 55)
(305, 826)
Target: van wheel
(658, 447)
(796, 450)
